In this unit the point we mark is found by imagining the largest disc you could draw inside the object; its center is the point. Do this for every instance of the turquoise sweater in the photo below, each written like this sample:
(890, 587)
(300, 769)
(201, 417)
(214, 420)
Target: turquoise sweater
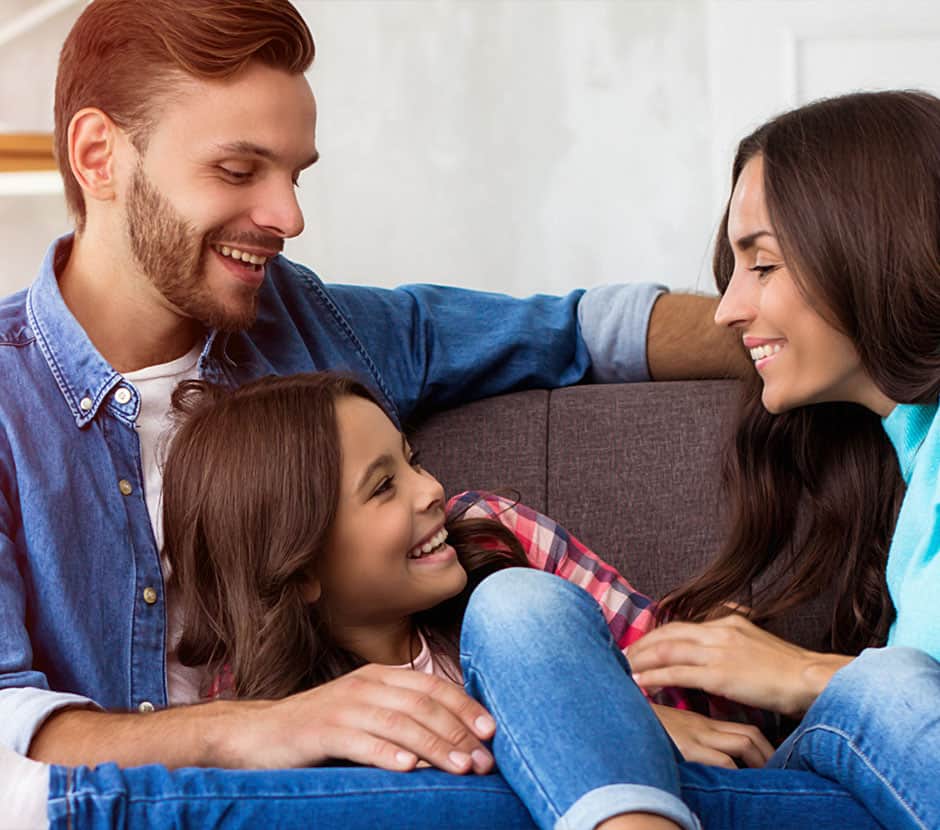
(913, 562)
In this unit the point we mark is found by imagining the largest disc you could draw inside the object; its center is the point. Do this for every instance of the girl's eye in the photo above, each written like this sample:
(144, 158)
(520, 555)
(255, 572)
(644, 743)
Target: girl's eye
(764, 271)
(415, 460)
(385, 485)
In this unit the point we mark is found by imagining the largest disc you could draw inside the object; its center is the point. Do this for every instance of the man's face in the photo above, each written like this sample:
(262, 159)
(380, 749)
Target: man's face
(212, 198)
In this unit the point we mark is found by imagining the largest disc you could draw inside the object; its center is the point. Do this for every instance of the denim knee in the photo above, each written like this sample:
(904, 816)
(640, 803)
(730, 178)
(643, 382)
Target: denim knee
(886, 677)
(883, 692)
(524, 603)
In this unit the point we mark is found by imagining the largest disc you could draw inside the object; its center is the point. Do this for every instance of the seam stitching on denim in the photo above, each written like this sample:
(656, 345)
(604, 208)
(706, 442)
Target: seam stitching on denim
(864, 759)
(512, 741)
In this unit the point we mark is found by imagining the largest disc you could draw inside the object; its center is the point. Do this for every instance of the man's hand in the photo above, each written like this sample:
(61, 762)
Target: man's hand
(733, 658)
(714, 742)
(377, 715)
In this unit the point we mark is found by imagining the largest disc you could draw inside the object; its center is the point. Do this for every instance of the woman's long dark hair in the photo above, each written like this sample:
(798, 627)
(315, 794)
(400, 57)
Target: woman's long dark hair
(853, 191)
(250, 491)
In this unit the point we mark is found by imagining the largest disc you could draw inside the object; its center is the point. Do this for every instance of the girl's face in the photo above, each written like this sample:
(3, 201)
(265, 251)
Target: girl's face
(801, 358)
(386, 558)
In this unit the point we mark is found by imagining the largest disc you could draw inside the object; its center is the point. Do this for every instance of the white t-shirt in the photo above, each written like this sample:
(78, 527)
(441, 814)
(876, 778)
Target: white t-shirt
(155, 385)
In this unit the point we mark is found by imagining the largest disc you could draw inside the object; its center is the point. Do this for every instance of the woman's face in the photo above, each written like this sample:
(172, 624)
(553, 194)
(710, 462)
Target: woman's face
(386, 557)
(801, 358)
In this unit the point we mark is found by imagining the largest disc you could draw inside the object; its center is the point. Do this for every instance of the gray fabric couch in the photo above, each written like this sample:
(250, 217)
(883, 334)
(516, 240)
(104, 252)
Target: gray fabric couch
(631, 469)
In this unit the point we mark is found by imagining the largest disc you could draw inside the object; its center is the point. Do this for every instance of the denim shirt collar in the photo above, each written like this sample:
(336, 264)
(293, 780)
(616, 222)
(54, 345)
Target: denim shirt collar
(83, 376)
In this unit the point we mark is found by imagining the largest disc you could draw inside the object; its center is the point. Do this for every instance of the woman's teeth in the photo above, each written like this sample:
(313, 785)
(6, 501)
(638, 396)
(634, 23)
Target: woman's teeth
(241, 256)
(434, 542)
(759, 352)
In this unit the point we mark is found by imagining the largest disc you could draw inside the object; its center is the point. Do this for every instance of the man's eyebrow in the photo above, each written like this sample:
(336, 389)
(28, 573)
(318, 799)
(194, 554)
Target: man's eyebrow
(746, 242)
(249, 148)
(383, 460)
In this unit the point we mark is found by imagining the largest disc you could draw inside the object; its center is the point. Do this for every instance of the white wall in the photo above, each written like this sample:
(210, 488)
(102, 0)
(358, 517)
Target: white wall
(529, 145)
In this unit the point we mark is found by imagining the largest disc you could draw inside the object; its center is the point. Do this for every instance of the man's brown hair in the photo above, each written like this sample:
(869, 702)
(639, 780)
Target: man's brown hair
(124, 57)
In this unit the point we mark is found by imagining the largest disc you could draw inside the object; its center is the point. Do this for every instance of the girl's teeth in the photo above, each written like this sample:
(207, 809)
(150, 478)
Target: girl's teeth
(435, 541)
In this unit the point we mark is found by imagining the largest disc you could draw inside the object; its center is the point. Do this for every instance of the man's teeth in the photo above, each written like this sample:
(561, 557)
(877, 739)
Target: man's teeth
(435, 541)
(241, 256)
(759, 352)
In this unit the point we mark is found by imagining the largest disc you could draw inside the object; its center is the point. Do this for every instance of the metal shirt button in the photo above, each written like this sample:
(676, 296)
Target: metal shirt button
(85, 404)
(123, 395)
(125, 487)
(145, 706)
(150, 595)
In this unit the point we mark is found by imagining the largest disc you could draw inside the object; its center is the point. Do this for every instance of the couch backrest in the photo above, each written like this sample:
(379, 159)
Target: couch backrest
(631, 469)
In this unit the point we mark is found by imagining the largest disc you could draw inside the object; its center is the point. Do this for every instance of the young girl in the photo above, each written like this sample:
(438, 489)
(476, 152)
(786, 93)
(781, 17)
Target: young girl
(305, 540)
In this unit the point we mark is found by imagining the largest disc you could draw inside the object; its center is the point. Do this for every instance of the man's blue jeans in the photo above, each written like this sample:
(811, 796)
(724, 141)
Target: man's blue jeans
(576, 743)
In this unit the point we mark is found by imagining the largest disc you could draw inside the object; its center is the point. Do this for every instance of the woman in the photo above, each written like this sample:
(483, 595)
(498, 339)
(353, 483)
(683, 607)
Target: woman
(828, 260)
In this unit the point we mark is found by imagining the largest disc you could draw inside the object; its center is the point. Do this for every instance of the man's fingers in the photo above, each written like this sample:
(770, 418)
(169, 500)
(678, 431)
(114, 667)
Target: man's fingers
(362, 748)
(419, 713)
(449, 695)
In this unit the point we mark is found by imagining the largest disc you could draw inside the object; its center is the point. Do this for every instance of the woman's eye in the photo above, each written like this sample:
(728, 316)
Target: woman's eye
(763, 271)
(415, 460)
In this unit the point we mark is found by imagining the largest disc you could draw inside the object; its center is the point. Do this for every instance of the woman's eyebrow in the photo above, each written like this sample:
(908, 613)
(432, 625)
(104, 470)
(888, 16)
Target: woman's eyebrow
(746, 242)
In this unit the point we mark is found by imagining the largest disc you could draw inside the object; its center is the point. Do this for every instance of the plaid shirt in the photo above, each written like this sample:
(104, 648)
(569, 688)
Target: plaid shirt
(629, 613)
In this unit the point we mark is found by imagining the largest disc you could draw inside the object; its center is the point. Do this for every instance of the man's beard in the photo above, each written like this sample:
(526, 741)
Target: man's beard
(173, 256)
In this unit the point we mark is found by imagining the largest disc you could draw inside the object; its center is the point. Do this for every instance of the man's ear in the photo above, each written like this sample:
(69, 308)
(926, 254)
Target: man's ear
(311, 590)
(93, 140)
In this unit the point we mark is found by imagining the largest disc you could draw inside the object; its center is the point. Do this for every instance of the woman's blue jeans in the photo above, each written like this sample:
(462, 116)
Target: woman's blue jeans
(576, 743)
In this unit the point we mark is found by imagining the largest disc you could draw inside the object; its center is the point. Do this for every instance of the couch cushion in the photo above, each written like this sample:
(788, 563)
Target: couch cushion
(490, 445)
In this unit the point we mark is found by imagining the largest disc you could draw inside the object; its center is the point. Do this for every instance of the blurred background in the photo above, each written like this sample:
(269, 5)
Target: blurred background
(515, 145)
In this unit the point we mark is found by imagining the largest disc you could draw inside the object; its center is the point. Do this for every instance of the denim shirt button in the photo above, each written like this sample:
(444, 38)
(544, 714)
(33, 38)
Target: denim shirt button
(125, 487)
(145, 706)
(85, 404)
(123, 395)
(150, 595)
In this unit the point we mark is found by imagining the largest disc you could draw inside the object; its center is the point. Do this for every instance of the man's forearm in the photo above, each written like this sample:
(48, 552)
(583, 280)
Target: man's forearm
(376, 715)
(181, 737)
(683, 341)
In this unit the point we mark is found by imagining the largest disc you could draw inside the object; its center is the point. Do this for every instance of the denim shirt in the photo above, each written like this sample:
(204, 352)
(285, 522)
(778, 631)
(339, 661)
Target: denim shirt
(82, 619)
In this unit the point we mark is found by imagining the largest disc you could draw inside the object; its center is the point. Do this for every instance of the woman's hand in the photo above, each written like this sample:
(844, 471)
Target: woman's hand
(733, 658)
(714, 742)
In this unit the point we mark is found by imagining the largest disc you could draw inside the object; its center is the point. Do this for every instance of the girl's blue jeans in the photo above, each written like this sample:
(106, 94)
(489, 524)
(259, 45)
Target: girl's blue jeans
(576, 743)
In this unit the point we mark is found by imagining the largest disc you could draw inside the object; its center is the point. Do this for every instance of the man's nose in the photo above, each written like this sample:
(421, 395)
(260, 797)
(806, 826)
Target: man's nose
(278, 210)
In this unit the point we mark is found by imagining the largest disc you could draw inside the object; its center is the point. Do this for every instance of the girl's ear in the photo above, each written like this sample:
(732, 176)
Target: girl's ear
(311, 590)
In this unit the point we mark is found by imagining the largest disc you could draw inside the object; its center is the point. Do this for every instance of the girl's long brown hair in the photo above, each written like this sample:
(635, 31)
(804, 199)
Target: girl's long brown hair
(853, 191)
(251, 485)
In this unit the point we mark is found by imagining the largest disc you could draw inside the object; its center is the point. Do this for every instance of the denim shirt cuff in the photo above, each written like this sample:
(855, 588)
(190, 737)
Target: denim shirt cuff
(614, 320)
(23, 710)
